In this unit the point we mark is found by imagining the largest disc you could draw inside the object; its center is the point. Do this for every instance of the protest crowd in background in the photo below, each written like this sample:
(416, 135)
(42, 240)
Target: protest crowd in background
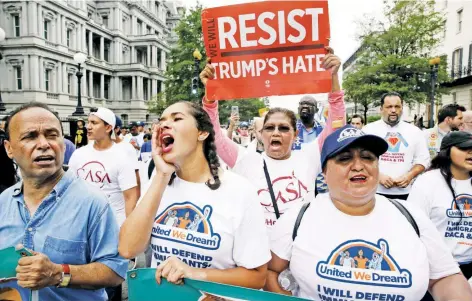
(335, 210)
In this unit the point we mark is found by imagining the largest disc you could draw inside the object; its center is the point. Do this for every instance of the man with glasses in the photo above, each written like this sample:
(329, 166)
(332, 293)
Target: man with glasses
(308, 128)
(449, 119)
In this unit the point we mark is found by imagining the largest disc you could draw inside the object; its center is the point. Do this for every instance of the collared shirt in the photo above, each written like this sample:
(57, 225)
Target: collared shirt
(434, 138)
(73, 225)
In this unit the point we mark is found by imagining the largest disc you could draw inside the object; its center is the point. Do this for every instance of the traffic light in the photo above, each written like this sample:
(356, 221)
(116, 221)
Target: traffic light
(195, 85)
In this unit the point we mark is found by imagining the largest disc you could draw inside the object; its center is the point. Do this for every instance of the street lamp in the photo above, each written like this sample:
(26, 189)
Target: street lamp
(434, 63)
(196, 69)
(79, 58)
(2, 105)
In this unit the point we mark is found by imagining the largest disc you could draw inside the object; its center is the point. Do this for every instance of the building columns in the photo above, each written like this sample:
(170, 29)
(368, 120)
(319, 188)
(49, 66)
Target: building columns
(133, 87)
(90, 44)
(102, 48)
(34, 67)
(148, 56)
(102, 86)
(92, 95)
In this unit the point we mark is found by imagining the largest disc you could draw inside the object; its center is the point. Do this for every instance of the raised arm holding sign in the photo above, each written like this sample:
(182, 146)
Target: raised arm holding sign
(258, 49)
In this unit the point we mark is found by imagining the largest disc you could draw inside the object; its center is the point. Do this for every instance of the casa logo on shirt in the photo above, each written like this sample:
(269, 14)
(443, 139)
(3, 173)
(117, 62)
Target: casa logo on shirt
(94, 172)
(395, 141)
(187, 224)
(366, 263)
(461, 207)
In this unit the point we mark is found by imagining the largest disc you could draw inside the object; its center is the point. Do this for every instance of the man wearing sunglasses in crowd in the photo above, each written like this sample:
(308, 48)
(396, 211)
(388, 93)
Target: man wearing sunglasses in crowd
(308, 130)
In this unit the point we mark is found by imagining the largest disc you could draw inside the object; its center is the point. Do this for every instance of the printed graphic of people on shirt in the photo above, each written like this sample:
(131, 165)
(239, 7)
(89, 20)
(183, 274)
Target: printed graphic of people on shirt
(185, 220)
(171, 219)
(346, 260)
(395, 140)
(376, 262)
(195, 223)
(361, 260)
(461, 207)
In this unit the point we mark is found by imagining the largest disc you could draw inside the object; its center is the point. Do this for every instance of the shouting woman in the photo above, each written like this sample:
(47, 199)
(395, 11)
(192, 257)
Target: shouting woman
(199, 221)
(283, 176)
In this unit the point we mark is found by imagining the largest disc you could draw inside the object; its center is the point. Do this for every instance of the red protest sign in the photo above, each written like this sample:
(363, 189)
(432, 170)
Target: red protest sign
(267, 48)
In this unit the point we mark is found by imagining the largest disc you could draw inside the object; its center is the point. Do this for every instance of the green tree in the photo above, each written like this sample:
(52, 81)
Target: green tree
(180, 71)
(248, 109)
(395, 54)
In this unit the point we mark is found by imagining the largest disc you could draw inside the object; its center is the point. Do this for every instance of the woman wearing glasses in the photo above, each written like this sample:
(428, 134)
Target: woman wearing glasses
(282, 177)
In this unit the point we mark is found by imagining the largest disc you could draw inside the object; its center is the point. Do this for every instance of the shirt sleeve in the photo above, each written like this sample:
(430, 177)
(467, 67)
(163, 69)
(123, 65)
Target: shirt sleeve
(251, 243)
(127, 175)
(441, 262)
(336, 116)
(103, 240)
(226, 149)
(281, 241)
(419, 194)
(422, 156)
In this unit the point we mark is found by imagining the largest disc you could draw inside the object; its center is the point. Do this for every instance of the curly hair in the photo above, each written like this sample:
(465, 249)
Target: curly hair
(203, 123)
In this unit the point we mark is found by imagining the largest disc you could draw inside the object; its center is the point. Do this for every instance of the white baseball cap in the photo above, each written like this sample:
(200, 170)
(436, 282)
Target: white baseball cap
(108, 116)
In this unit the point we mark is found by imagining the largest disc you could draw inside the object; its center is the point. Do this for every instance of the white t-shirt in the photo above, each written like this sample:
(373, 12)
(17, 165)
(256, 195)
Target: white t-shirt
(406, 148)
(391, 261)
(130, 153)
(206, 228)
(293, 179)
(110, 170)
(434, 138)
(431, 193)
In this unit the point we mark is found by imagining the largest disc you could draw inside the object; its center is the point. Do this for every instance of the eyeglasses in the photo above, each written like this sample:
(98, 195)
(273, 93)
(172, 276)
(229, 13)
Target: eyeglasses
(281, 128)
(305, 103)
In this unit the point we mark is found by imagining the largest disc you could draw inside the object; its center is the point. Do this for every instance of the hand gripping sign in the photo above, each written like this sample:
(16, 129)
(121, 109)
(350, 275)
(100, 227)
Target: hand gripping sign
(267, 48)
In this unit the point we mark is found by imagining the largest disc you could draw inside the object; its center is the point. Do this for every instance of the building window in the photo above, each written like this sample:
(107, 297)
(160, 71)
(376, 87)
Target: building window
(140, 27)
(69, 33)
(124, 118)
(459, 21)
(16, 21)
(19, 80)
(105, 21)
(69, 83)
(47, 75)
(139, 55)
(457, 63)
(46, 28)
(107, 89)
(148, 30)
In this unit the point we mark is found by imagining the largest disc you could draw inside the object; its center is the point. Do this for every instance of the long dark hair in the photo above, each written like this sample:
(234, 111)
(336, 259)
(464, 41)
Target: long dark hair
(8, 174)
(209, 147)
(443, 162)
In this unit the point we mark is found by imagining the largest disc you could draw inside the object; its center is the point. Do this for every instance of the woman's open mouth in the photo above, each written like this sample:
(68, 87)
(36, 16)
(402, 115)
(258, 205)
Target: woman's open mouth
(167, 142)
(359, 179)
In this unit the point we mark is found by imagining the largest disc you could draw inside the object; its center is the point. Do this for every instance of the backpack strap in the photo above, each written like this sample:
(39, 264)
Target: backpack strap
(299, 219)
(151, 168)
(271, 191)
(407, 215)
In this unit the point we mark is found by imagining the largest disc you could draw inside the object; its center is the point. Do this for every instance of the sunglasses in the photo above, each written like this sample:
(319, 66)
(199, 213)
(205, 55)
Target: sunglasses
(281, 128)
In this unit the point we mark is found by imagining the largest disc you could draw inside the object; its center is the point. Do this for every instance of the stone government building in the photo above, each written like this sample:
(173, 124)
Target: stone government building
(126, 43)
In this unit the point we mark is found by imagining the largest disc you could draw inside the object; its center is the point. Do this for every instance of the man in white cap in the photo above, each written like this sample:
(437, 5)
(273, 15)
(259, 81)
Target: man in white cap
(106, 165)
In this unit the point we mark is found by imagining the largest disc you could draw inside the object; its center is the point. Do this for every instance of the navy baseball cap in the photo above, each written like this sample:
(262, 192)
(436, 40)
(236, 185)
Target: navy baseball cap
(459, 139)
(140, 123)
(118, 123)
(346, 136)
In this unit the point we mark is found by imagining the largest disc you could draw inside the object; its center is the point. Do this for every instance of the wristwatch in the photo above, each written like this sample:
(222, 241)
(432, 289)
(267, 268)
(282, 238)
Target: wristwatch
(65, 277)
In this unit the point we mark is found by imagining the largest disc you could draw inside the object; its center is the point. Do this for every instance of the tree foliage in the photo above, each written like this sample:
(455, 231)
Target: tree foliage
(395, 54)
(180, 71)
